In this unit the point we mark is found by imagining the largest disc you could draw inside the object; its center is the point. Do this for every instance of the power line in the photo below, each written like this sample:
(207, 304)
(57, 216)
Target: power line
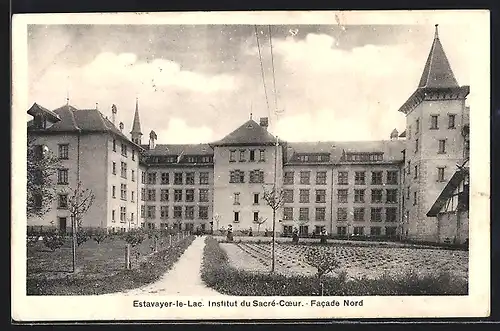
(272, 65)
(262, 70)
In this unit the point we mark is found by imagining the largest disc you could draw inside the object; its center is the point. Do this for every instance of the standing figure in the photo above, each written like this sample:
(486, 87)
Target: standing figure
(323, 236)
(229, 233)
(250, 233)
(295, 236)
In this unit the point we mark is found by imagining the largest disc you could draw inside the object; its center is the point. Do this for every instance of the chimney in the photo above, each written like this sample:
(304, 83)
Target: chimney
(113, 113)
(264, 122)
(121, 126)
(152, 138)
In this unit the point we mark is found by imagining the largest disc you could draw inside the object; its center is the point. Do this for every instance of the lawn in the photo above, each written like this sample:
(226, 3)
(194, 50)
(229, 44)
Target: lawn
(357, 261)
(100, 267)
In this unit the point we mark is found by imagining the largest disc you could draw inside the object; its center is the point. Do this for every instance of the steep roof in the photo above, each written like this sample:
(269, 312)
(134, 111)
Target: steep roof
(437, 71)
(37, 109)
(448, 190)
(250, 133)
(136, 125)
(178, 149)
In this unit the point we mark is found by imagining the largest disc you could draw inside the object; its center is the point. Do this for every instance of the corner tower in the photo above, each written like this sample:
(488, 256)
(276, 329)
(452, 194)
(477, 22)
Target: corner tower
(435, 114)
(136, 133)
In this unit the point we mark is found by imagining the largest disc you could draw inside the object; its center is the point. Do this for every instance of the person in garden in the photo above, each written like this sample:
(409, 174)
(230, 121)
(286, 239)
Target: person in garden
(323, 236)
(229, 232)
(250, 233)
(266, 233)
(295, 236)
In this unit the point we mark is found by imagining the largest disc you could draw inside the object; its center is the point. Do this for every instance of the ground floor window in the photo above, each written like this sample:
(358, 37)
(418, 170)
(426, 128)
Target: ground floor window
(341, 230)
(287, 229)
(359, 230)
(375, 231)
(318, 229)
(62, 224)
(390, 231)
(189, 226)
(304, 230)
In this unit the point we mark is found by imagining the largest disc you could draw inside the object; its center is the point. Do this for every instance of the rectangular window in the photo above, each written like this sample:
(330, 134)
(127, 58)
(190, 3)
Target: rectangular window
(62, 176)
(376, 214)
(376, 195)
(237, 176)
(252, 155)
(236, 218)
(203, 195)
(440, 174)
(164, 195)
(359, 231)
(143, 194)
(417, 126)
(442, 146)
(390, 214)
(232, 156)
(203, 178)
(123, 191)
(124, 150)
(114, 168)
(178, 178)
(143, 177)
(416, 145)
(242, 155)
(255, 216)
(288, 196)
(236, 198)
(341, 214)
(203, 212)
(143, 211)
(320, 214)
(321, 178)
(341, 230)
(113, 192)
(343, 178)
(262, 155)
(189, 178)
(359, 178)
(189, 195)
(305, 177)
(320, 196)
(434, 122)
(151, 212)
(113, 215)
(408, 168)
(152, 178)
(133, 175)
(342, 195)
(375, 231)
(288, 213)
(303, 196)
(164, 212)
(189, 212)
(132, 199)
(414, 198)
(123, 170)
(392, 177)
(177, 212)
(114, 145)
(390, 231)
(165, 178)
(359, 196)
(451, 121)
(133, 155)
(392, 195)
(123, 214)
(256, 198)
(304, 214)
(63, 151)
(256, 176)
(359, 214)
(177, 195)
(303, 230)
(63, 201)
(151, 194)
(288, 178)
(376, 177)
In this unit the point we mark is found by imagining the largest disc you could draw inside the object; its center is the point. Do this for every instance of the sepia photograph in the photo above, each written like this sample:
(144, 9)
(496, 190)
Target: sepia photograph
(251, 165)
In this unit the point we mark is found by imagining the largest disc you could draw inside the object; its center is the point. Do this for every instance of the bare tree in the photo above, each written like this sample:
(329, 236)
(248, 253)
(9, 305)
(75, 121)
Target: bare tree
(78, 204)
(42, 165)
(274, 198)
(323, 261)
(261, 220)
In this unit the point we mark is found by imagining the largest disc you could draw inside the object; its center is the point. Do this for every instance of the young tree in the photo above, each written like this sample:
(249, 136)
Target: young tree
(274, 198)
(42, 165)
(261, 220)
(323, 261)
(79, 203)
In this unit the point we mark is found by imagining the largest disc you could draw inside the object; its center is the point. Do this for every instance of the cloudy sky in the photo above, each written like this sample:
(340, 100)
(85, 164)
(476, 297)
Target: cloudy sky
(197, 83)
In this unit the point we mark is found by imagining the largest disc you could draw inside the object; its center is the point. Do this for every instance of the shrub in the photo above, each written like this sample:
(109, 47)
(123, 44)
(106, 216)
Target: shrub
(323, 261)
(82, 236)
(53, 241)
(134, 237)
(99, 235)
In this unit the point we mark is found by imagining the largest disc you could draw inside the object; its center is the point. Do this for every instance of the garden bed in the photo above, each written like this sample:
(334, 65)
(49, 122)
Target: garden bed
(101, 267)
(220, 273)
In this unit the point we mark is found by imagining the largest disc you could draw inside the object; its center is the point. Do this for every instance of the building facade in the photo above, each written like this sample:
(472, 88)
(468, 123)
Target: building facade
(364, 188)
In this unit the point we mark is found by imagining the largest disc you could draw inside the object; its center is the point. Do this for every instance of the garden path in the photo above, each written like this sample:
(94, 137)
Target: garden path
(184, 279)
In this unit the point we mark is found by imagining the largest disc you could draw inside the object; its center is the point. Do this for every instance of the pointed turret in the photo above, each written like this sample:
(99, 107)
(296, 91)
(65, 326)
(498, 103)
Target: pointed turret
(136, 126)
(437, 71)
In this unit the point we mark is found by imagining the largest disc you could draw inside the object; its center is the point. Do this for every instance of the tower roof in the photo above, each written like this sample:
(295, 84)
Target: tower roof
(437, 71)
(250, 133)
(136, 126)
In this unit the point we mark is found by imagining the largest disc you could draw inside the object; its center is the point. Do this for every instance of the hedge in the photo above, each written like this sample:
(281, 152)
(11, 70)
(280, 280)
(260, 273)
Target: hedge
(220, 275)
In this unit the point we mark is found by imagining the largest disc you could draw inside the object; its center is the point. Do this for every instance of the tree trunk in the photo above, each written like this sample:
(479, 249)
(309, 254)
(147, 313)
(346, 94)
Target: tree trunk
(128, 265)
(73, 230)
(274, 240)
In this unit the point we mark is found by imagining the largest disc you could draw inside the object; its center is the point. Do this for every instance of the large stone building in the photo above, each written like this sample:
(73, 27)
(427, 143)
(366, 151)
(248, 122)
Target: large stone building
(400, 187)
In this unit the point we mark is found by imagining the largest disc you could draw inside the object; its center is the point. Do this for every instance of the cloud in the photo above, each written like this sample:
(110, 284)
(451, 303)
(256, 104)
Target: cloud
(178, 132)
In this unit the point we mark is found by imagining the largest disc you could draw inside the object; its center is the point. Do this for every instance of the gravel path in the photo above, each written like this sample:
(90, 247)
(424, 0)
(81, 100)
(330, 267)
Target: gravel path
(184, 279)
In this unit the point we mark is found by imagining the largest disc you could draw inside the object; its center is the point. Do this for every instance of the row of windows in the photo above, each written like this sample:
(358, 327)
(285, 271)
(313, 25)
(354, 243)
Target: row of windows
(238, 176)
(180, 178)
(343, 177)
(123, 193)
(362, 157)
(313, 158)
(441, 146)
(123, 216)
(189, 212)
(176, 226)
(342, 230)
(440, 172)
(150, 195)
(256, 198)
(342, 196)
(123, 170)
(359, 214)
(237, 218)
(434, 123)
(124, 149)
(242, 155)
(181, 159)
